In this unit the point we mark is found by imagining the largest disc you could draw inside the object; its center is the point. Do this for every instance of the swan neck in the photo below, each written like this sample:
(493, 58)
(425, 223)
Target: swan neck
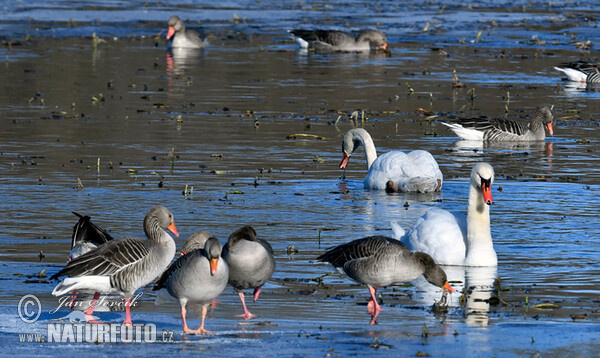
(370, 151)
(479, 234)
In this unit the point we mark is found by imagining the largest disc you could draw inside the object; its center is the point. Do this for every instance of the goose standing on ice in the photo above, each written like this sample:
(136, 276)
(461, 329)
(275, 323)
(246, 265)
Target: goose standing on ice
(379, 261)
(251, 263)
(125, 264)
(198, 276)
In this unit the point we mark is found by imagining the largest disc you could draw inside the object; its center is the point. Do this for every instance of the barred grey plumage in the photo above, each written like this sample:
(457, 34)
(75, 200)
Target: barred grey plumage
(504, 130)
(379, 261)
(125, 264)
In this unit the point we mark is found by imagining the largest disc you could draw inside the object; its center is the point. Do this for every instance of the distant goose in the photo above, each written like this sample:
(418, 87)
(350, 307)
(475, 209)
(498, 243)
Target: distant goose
(581, 71)
(196, 277)
(505, 130)
(86, 236)
(452, 239)
(379, 261)
(331, 41)
(251, 263)
(182, 37)
(125, 264)
(393, 171)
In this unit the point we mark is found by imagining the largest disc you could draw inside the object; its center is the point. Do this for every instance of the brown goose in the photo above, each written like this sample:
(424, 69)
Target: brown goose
(379, 261)
(251, 263)
(331, 41)
(196, 277)
(125, 264)
(182, 37)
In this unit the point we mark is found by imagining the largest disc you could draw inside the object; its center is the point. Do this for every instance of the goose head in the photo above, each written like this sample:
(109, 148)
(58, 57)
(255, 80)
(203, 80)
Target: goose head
(196, 241)
(161, 216)
(244, 233)
(175, 25)
(375, 38)
(482, 178)
(433, 273)
(544, 116)
(212, 248)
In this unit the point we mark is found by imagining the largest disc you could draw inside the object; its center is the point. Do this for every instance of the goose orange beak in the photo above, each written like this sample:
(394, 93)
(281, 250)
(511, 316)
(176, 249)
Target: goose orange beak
(448, 288)
(213, 266)
(383, 47)
(487, 193)
(345, 159)
(171, 32)
(549, 128)
(173, 229)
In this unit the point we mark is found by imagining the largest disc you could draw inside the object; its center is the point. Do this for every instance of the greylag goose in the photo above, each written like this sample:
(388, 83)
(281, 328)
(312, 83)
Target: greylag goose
(195, 241)
(330, 41)
(452, 239)
(581, 71)
(86, 236)
(505, 130)
(393, 171)
(125, 264)
(379, 261)
(182, 37)
(251, 263)
(196, 277)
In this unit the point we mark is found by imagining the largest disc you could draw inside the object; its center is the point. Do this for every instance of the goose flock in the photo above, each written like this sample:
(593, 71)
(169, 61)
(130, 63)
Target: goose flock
(101, 264)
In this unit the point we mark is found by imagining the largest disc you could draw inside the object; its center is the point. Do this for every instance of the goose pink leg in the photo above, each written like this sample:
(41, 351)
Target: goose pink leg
(128, 313)
(90, 311)
(373, 307)
(247, 315)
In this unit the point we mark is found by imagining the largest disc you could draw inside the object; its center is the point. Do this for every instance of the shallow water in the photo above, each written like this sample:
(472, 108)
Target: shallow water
(109, 118)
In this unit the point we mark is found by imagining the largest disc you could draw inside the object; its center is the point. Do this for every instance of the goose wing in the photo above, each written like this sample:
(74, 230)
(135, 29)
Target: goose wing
(85, 230)
(359, 249)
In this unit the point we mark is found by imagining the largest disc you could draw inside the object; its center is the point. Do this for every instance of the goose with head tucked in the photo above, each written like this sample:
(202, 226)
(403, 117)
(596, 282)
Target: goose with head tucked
(393, 171)
(196, 277)
(379, 261)
(505, 130)
(452, 238)
(251, 263)
(125, 264)
(182, 37)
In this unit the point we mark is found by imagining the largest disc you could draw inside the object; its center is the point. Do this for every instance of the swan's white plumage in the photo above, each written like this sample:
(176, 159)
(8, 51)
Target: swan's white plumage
(441, 234)
(415, 171)
(453, 238)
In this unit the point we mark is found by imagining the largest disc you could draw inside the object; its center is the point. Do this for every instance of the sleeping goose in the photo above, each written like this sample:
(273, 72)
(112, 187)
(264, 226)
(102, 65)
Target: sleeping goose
(505, 130)
(182, 37)
(452, 238)
(251, 263)
(332, 41)
(379, 261)
(125, 264)
(581, 71)
(196, 277)
(393, 171)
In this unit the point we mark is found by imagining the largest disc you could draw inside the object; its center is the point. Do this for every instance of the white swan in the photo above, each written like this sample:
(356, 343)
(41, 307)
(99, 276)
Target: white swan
(452, 239)
(393, 171)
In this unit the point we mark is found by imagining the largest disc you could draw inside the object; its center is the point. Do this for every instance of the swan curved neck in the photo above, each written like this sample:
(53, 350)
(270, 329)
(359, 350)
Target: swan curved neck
(479, 245)
(367, 143)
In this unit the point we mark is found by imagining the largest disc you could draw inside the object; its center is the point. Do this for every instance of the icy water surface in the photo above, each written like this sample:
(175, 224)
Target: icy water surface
(111, 131)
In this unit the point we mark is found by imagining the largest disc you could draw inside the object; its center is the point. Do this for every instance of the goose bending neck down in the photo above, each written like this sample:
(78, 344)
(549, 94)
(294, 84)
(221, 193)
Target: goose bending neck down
(394, 171)
(450, 238)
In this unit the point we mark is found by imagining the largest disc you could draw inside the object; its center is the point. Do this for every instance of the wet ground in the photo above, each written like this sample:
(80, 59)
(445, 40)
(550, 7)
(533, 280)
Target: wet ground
(111, 129)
